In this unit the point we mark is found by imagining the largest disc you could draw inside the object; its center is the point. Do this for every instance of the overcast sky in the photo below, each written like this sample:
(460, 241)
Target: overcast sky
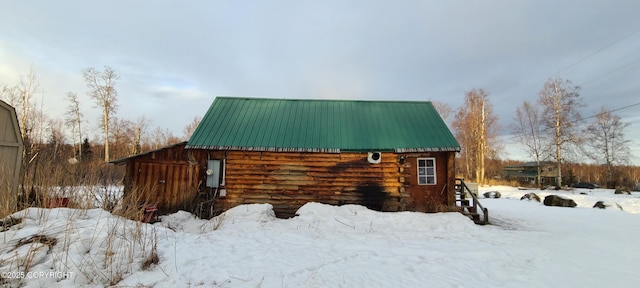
(174, 57)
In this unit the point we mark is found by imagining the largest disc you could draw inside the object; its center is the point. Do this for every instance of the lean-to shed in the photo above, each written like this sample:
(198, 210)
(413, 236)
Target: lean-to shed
(11, 147)
(164, 176)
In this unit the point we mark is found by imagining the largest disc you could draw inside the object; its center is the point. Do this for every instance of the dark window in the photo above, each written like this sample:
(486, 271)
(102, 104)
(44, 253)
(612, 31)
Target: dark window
(426, 171)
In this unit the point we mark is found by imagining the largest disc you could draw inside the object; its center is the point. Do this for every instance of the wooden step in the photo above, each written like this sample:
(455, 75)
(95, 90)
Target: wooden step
(475, 217)
(463, 202)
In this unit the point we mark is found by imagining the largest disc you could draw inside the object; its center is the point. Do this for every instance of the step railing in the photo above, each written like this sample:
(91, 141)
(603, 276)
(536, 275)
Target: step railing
(478, 213)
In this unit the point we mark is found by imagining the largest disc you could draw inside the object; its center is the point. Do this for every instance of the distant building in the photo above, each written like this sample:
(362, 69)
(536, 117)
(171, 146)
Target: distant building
(526, 173)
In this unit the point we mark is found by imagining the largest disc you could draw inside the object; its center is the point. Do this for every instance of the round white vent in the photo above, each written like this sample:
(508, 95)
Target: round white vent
(374, 157)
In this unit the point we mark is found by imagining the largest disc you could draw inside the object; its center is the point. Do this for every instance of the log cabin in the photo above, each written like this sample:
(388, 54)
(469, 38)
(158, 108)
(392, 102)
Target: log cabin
(385, 155)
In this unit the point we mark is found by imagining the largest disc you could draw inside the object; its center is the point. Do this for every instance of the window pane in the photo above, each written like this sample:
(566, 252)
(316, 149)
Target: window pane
(431, 180)
(422, 171)
(430, 171)
(422, 163)
(430, 162)
(422, 180)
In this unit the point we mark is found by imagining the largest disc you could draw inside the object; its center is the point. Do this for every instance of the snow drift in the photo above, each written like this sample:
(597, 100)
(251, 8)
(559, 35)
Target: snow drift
(526, 245)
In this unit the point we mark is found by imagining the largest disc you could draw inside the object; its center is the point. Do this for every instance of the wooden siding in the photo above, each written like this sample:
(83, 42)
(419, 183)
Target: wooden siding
(288, 180)
(174, 178)
(165, 177)
(11, 149)
(431, 198)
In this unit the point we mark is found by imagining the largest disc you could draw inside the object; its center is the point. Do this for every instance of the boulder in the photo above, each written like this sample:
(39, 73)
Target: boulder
(600, 204)
(622, 190)
(530, 196)
(605, 205)
(555, 200)
(492, 194)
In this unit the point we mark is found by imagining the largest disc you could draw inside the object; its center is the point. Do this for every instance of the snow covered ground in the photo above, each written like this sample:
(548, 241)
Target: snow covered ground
(527, 245)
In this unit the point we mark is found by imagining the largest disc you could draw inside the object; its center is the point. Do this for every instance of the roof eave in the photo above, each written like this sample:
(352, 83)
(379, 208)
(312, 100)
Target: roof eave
(321, 150)
(126, 159)
(428, 149)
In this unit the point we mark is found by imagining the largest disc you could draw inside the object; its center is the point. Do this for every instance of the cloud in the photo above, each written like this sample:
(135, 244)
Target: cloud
(175, 57)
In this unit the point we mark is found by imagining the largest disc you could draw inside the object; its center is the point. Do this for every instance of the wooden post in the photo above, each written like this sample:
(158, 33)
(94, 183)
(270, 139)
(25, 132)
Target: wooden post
(451, 178)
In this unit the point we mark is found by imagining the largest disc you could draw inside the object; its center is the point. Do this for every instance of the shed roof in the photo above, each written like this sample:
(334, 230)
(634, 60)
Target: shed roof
(10, 129)
(125, 159)
(261, 124)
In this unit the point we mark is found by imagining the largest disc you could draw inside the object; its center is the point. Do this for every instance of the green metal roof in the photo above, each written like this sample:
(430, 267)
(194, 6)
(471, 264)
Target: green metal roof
(261, 124)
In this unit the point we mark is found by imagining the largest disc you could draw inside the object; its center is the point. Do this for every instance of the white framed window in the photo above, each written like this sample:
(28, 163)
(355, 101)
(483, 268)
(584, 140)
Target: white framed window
(426, 171)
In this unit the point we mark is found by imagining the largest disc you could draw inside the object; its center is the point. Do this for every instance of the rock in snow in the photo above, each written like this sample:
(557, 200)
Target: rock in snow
(530, 196)
(605, 205)
(555, 200)
(492, 194)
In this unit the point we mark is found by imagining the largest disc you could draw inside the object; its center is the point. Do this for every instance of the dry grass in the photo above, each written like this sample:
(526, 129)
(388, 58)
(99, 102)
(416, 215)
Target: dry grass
(107, 259)
(99, 256)
(500, 182)
(152, 258)
(7, 205)
(38, 238)
(7, 199)
(7, 223)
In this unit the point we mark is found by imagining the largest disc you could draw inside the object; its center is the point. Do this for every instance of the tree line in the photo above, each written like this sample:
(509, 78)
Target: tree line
(120, 137)
(551, 129)
(61, 152)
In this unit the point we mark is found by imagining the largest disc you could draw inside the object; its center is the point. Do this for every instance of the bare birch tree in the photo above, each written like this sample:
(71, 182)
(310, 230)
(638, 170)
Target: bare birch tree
(560, 101)
(31, 118)
(26, 108)
(607, 144)
(476, 127)
(56, 140)
(74, 120)
(528, 128)
(127, 136)
(191, 127)
(162, 137)
(102, 90)
(9, 94)
(140, 126)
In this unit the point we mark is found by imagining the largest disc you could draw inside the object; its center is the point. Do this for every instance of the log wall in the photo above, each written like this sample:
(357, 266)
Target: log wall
(288, 180)
(174, 178)
(432, 198)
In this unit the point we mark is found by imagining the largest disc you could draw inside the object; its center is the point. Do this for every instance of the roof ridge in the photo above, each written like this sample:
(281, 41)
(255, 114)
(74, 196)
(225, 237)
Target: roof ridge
(322, 99)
